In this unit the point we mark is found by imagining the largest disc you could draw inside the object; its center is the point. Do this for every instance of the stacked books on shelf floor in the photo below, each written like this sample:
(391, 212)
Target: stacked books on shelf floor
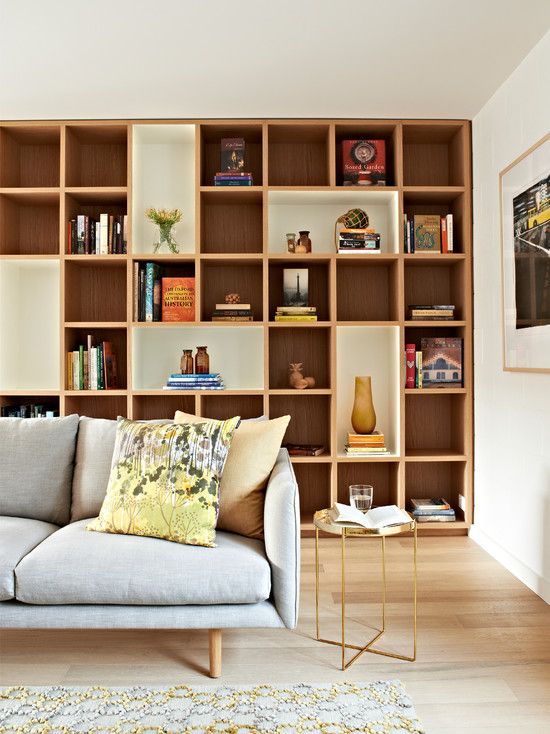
(30, 410)
(233, 312)
(103, 236)
(296, 313)
(438, 363)
(92, 367)
(434, 312)
(432, 509)
(304, 449)
(211, 381)
(366, 444)
(159, 298)
(428, 233)
(233, 179)
(362, 241)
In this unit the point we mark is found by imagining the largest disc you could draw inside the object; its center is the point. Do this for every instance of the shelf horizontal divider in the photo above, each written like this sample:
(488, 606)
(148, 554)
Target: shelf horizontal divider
(436, 391)
(94, 393)
(434, 455)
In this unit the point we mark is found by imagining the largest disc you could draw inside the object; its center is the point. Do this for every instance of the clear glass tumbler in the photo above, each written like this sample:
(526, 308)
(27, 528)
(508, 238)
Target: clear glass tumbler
(360, 496)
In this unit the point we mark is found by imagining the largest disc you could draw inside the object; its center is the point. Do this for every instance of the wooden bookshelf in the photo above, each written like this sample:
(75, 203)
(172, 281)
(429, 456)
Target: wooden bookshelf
(234, 240)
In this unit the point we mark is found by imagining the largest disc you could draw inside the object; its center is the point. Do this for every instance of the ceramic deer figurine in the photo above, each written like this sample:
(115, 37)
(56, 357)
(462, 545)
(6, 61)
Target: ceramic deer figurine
(296, 378)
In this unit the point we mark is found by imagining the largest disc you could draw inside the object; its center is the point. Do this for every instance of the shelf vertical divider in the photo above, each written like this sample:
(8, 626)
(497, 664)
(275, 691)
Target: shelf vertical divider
(62, 250)
(129, 270)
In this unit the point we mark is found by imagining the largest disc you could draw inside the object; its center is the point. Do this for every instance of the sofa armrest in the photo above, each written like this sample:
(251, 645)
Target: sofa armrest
(282, 538)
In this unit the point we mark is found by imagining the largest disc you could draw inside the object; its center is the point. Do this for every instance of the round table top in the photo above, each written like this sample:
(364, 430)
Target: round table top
(323, 521)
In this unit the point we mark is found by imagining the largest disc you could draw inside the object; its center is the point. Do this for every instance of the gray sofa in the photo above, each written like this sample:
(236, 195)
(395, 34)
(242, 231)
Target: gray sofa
(56, 574)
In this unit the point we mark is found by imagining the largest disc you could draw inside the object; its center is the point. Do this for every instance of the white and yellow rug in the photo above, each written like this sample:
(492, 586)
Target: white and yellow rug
(382, 707)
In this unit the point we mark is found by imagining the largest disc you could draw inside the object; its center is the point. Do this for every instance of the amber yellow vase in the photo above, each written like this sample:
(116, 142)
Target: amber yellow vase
(363, 417)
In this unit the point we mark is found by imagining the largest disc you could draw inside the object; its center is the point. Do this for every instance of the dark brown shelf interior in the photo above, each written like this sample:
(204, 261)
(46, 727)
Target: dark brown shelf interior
(291, 344)
(223, 407)
(231, 222)
(435, 422)
(435, 283)
(151, 407)
(383, 476)
(29, 224)
(433, 155)
(310, 417)
(367, 291)
(435, 479)
(314, 483)
(30, 156)
(219, 278)
(75, 336)
(95, 292)
(211, 136)
(96, 155)
(97, 406)
(298, 155)
(318, 286)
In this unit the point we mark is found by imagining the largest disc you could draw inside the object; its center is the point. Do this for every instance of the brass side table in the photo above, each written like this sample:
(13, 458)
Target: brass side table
(322, 521)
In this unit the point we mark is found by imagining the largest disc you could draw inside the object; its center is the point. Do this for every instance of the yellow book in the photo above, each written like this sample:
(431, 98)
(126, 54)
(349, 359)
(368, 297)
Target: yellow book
(295, 318)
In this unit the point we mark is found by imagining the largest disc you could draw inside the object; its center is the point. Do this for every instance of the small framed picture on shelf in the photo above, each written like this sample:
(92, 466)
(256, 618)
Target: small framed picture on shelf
(525, 242)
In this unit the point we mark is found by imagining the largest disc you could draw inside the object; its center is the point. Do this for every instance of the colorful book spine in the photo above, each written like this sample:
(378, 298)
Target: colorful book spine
(410, 366)
(151, 274)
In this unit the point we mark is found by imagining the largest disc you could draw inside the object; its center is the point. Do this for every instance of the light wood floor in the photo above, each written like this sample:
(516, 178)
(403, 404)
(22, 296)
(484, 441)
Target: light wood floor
(483, 644)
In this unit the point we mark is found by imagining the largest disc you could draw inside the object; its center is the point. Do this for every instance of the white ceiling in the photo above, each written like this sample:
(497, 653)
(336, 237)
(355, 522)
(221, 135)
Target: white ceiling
(260, 58)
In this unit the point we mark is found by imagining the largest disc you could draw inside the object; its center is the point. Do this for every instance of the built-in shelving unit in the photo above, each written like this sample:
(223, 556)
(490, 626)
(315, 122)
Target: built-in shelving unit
(234, 240)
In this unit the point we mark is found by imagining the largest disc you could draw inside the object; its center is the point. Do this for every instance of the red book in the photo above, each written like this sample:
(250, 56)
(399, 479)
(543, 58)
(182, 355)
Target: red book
(178, 299)
(410, 362)
(444, 235)
(364, 162)
(109, 366)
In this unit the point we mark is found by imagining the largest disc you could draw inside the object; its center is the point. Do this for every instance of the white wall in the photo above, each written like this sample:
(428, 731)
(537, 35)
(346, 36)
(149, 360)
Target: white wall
(512, 410)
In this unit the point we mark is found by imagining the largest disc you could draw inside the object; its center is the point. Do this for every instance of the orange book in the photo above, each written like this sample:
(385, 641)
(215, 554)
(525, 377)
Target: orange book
(178, 299)
(366, 438)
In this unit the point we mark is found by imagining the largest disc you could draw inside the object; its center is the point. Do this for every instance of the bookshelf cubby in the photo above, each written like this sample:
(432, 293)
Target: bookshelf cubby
(233, 240)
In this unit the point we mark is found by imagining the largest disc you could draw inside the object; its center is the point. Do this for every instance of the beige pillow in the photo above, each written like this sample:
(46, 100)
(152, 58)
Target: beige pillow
(251, 458)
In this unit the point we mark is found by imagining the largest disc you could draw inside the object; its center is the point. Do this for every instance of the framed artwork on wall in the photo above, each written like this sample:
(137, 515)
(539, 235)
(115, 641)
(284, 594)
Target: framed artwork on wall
(525, 243)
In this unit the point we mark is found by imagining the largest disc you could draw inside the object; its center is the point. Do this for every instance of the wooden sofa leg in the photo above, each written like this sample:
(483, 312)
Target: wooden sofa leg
(215, 649)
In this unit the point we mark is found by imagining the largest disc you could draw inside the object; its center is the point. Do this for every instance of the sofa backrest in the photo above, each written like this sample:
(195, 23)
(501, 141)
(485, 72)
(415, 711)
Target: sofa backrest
(94, 453)
(36, 467)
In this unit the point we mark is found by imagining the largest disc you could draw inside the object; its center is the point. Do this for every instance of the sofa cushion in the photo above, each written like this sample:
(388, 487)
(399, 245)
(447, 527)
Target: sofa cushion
(94, 454)
(36, 457)
(18, 536)
(74, 566)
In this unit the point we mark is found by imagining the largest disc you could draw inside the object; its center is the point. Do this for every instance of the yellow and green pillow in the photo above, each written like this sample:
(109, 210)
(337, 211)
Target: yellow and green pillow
(165, 480)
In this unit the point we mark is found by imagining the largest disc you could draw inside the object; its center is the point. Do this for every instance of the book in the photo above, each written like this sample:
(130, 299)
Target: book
(234, 312)
(410, 365)
(436, 518)
(444, 237)
(430, 503)
(418, 375)
(450, 245)
(441, 361)
(233, 182)
(232, 318)
(295, 286)
(303, 317)
(357, 250)
(375, 436)
(375, 519)
(233, 306)
(364, 162)
(432, 513)
(304, 449)
(296, 309)
(427, 233)
(366, 450)
(152, 272)
(178, 299)
(232, 154)
(103, 234)
(109, 366)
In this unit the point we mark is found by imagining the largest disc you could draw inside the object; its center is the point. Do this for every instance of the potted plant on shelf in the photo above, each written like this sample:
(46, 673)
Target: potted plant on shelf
(165, 219)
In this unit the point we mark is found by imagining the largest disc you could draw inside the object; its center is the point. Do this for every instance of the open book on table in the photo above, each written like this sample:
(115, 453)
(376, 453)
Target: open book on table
(375, 519)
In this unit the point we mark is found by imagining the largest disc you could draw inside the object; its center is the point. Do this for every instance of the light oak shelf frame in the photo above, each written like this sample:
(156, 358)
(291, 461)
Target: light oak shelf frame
(51, 170)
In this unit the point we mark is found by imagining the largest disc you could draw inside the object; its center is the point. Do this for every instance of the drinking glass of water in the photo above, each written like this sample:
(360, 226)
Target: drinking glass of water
(360, 496)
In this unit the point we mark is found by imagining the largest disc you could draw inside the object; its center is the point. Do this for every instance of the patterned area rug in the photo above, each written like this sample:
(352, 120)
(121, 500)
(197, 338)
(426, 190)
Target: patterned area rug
(382, 707)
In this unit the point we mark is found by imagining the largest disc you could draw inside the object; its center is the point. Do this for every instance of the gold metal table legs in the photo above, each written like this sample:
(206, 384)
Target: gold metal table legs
(369, 646)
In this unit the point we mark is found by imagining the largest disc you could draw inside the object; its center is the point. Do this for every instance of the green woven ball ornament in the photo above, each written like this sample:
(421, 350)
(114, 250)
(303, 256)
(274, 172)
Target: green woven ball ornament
(352, 219)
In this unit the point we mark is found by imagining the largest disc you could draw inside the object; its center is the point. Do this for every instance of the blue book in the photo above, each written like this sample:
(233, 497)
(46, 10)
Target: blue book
(194, 376)
(151, 274)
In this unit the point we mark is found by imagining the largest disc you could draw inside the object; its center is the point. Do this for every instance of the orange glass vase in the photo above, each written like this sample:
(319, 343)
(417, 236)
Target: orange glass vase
(363, 416)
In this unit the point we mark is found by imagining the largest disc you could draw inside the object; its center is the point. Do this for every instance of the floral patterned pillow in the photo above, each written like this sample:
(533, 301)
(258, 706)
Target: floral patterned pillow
(165, 480)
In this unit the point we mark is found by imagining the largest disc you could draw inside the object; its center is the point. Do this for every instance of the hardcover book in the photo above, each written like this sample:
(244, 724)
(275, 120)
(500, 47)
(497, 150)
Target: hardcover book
(441, 361)
(427, 233)
(178, 299)
(364, 162)
(232, 154)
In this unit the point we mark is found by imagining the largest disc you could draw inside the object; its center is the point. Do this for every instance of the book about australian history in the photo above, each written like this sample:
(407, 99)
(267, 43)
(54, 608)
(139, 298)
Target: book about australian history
(427, 232)
(178, 299)
(232, 154)
(364, 162)
(441, 361)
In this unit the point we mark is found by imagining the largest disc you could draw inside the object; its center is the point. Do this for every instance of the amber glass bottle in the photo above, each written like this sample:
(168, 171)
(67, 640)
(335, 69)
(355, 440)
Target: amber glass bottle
(202, 361)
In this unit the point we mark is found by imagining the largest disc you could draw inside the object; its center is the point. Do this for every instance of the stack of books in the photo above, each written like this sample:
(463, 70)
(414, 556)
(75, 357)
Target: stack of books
(366, 444)
(92, 367)
(159, 298)
(212, 381)
(435, 312)
(304, 449)
(358, 241)
(27, 411)
(428, 233)
(233, 312)
(103, 236)
(432, 509)
(296, 313)
(233, 178)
